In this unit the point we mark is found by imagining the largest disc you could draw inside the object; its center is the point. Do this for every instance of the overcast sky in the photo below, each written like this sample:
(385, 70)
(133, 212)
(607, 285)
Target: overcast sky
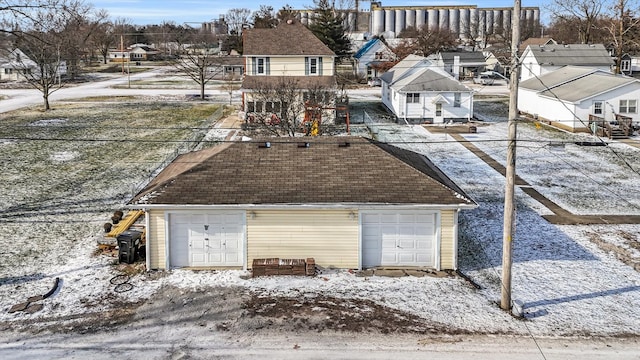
(143, 12)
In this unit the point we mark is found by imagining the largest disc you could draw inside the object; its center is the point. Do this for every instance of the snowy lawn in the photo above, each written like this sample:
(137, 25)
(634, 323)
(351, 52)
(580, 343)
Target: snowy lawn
(65, 172)
(61, 192)
(568, 284)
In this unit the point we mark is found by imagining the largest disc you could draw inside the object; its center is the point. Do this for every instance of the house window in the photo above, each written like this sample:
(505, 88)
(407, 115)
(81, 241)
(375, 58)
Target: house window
(628, 106)
(597, 108)
(272, 107)
(456, 99)
(438, 109)
(625, 65)
(413, 98)
(261, 66)
(8, 71)
(313, 66)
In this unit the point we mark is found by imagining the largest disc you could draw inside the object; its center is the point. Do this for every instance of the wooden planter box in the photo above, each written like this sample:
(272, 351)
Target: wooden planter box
(276, 266)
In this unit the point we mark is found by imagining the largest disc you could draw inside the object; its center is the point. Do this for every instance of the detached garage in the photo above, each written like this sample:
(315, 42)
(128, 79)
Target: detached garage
(348, 202)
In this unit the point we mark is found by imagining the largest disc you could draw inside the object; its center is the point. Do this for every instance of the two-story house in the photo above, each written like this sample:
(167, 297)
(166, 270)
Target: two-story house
(288, 57)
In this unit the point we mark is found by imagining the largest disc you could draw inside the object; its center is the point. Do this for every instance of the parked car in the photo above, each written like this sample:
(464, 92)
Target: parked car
(483, 79)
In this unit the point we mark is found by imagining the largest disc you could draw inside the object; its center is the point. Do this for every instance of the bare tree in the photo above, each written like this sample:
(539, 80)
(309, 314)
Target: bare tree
(231, 84)
(104, 38)
(265, 18)
(198, 60)
(622, 28)
(430, 40)
(39, 33)
(237, 19)
(584, 13)
(76, 36)
(282, 108)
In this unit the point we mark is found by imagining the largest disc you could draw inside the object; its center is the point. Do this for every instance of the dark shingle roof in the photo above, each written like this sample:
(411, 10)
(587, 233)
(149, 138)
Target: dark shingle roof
(326, 172)
(286, 39)
(465, 56)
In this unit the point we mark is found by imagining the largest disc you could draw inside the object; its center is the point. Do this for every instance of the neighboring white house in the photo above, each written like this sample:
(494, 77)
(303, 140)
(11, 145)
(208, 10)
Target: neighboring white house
(538, 60)
(566, 97)
(14, 65)
(373, 52)
(416, 91)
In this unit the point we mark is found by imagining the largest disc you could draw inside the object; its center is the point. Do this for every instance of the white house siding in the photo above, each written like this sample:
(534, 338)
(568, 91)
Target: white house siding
(576, 116)
(328, 236)
(426, 108)
(156, 239)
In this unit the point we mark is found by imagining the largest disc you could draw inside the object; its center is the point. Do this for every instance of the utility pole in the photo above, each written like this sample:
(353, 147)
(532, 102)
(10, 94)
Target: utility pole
(509, 205)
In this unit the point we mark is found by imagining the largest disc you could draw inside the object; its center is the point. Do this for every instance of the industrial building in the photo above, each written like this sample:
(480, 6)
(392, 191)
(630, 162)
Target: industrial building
(468, 21)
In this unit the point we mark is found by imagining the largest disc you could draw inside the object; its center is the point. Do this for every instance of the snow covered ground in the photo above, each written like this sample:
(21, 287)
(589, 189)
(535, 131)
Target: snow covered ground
(568, 284)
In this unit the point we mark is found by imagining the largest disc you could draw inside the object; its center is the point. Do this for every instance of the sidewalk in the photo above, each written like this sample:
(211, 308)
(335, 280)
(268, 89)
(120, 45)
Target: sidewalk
(560, 216)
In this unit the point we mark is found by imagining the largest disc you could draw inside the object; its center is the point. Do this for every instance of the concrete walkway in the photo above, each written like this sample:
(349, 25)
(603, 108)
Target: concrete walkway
(560, 216)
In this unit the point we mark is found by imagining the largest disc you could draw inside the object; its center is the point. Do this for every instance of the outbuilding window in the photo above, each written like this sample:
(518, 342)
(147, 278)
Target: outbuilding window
(628, 106)
(456, 100)
(597, 108)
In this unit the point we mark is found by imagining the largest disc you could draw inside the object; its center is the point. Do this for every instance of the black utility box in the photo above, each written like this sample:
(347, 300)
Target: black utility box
(128, 243)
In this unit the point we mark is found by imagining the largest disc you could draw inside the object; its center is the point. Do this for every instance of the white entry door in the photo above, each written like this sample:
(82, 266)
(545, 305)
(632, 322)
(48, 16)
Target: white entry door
(401, 238)
(206, 239)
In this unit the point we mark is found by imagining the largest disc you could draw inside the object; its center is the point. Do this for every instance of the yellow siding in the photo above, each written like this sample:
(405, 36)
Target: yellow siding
(156, 239)
(328, 236)
(292, 66)
(447, 241)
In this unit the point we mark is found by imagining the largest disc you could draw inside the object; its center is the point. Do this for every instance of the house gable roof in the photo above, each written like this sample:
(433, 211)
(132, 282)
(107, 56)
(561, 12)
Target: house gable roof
(415, 74)
(328, 171)
(537, 41)
(588, 87)
(466, 57)
(287, 39)
(365, 48)
(571, 54)
(557, 77)
(574, 83)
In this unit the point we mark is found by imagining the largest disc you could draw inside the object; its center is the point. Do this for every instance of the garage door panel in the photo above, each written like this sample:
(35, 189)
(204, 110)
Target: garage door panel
(407, 244)
(206, 239)
(405, 238)
(389, 258)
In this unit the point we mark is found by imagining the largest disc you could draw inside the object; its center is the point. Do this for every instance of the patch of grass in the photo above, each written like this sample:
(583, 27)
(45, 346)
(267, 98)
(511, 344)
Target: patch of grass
(50, 203)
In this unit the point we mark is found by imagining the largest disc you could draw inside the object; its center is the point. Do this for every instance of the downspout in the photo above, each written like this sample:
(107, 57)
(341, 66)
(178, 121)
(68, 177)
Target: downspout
(470, 114)
(455, 239)
(147, 250)
(166, 240)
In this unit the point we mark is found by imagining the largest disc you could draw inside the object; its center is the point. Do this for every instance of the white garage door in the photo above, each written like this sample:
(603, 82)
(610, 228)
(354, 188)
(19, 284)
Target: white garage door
(399, 238)
(206, 239)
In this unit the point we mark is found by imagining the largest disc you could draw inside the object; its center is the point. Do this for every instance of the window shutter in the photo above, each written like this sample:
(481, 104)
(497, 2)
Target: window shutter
(254, 62)
(267, 66)
(306, 65)
(320, 65)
